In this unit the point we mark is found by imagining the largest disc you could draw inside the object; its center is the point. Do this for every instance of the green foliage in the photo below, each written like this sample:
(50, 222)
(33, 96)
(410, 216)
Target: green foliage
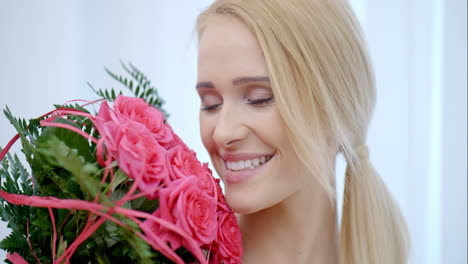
(17, 180)
(63, 164)
(138, 84)
(28, 131)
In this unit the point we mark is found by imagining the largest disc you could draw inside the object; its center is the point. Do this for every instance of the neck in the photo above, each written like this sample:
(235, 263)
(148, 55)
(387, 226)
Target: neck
(301, 229)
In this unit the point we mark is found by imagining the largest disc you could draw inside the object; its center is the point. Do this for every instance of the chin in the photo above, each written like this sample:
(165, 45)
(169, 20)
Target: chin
(242, 208)
(251, 199)
(243, 203)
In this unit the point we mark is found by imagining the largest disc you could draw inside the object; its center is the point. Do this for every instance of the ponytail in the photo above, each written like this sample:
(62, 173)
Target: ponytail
(372, 227)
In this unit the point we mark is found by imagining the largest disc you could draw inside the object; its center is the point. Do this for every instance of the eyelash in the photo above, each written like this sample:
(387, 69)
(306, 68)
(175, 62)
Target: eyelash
(209, 108)
(259, 102)
(256, 103)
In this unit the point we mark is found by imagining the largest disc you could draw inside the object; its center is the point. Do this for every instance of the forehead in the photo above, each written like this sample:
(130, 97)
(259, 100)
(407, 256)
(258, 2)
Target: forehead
(228, 44)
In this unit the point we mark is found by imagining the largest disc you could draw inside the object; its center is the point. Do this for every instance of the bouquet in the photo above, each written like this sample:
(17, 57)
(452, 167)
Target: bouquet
(116, 186)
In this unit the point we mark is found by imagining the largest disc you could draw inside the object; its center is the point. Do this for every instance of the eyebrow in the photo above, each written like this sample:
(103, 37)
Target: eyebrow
(243, 80)
(236, 81)
(204, 85)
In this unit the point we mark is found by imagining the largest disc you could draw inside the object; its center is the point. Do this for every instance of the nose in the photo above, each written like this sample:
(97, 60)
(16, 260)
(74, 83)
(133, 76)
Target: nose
(230, 128)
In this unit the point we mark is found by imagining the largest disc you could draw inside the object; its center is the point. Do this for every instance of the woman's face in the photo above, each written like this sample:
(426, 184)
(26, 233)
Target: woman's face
(240, 124)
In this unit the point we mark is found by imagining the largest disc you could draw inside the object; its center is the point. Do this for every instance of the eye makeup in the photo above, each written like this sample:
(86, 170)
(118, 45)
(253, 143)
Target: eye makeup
(259, 96)
(210, 101)
(254, 92)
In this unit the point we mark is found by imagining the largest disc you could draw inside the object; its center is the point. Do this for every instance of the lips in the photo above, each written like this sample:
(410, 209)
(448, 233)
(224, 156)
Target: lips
(243, 166)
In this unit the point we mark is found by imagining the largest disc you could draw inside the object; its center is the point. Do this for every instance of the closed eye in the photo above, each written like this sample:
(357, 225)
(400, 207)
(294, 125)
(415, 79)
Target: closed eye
(210, 107)
(261, 102)
(210, 101)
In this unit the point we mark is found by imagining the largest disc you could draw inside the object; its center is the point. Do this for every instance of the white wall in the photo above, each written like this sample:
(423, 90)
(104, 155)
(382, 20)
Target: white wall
(418, 135)
(454, 159)
(50, 49)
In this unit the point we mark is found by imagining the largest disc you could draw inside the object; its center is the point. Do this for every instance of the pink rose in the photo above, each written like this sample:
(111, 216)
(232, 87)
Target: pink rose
(191, 209)
(133, 145)
(178, 141)
(141, 157)
(229, 239)
(183, 162)
(134, 148)
(136, 109)
(214, 258)
(108, 125)
(222, 203)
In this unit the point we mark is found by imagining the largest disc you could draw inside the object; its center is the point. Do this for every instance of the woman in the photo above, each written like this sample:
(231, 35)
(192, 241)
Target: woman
(285, 87)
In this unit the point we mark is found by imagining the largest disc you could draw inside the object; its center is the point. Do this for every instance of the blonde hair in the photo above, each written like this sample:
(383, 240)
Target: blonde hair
(323, 84)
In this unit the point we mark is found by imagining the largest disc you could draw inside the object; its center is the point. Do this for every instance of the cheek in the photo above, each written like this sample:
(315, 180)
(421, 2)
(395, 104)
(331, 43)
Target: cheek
(271, 128)
(206, 132)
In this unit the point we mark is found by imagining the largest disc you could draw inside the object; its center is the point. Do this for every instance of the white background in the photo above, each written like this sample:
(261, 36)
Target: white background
(418, 139)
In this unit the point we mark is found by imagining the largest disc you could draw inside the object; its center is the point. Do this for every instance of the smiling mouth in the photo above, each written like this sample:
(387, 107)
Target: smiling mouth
(247, 164)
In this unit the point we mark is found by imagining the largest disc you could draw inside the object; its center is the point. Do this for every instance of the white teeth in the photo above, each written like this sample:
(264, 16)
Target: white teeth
(255, 162)
(246, 164)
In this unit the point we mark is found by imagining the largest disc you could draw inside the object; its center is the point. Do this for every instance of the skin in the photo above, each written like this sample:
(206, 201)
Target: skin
(285, 217)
